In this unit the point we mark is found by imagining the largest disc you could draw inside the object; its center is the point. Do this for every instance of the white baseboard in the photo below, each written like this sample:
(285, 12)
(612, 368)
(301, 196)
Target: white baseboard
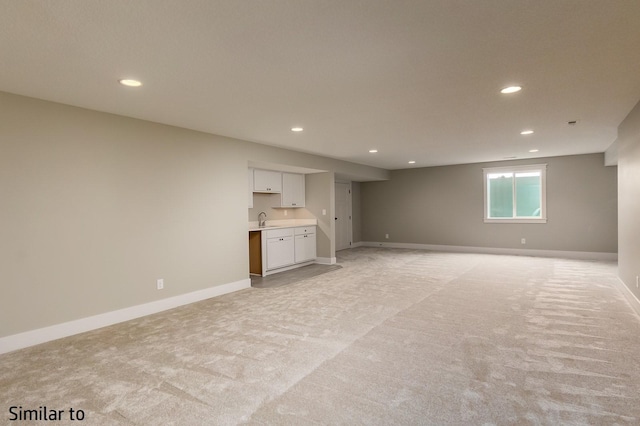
(358, 244)
(58, 331)
(586, 255)
(628, 294)
(326, 260)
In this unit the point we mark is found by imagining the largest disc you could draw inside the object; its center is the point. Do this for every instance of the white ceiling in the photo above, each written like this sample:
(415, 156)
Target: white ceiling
(418, 80)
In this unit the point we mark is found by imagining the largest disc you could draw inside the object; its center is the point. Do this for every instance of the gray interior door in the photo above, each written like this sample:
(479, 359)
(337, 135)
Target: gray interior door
(343, 215)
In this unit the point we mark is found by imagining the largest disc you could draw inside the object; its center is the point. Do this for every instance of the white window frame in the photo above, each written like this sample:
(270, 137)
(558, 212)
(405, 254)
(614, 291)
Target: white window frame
(542, 168)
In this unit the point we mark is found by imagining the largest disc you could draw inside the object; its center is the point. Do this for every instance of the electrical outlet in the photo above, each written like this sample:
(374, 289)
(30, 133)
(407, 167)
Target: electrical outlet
(386, 236)
(285, 212)
(324, 212)
(523, 241)
(160, 284)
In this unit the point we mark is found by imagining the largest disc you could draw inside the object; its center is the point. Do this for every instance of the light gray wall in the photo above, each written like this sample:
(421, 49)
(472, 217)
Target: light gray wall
(265, 203)
(629, 199)
(95, 207)
(444, 206)
(320, 194)
(356, 212)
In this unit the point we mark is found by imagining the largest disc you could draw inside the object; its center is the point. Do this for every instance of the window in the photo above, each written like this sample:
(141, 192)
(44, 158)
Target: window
(515, 194)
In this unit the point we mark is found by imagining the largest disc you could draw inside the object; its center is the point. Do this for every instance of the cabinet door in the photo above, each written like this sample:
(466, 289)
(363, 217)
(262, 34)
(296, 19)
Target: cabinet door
(280, 252)
(305, 247)
(311, 246)
(292, 190)
(301, 249)
(267, 181)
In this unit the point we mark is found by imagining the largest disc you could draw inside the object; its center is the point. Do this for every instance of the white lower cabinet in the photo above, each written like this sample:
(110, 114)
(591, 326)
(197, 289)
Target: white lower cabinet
(305, 244)
(288, 246)
(280, 248)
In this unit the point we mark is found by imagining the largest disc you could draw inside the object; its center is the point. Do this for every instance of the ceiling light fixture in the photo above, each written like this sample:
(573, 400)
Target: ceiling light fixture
(412, 162)
(526, 132)
(511, 89)
(373, 151)
(130, 83)
(297, 129)
(534, 150)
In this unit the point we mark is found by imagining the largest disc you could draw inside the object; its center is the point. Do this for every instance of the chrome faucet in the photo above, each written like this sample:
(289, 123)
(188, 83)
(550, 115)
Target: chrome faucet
(262, 219)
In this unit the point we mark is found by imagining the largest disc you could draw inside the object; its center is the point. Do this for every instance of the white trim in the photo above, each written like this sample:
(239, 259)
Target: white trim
(586, 255)
(58, 331)
(542, 168)
(628, 294)
(512, 220)
(520, 168)
(326, 260)
(358, 244)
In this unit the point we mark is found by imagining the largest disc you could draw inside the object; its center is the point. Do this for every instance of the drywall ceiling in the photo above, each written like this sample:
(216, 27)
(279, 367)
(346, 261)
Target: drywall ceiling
(416, 80)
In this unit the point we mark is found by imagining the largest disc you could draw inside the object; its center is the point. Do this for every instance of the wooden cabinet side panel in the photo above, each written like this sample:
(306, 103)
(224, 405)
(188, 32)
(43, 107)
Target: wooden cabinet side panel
(255, 252)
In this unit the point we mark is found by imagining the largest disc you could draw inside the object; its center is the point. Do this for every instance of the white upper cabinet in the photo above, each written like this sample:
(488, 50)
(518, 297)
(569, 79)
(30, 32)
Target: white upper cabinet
(292, 190)
(267, 181)
(290, 185)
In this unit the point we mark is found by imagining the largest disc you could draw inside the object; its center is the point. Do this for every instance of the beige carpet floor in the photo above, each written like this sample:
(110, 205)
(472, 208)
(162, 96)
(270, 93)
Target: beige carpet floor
(393, 337)
(291, 277)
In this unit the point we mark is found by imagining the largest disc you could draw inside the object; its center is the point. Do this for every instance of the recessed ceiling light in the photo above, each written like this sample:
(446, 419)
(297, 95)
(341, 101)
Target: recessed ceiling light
(511, 89)
(412, 162)
(130, 83)
(297, 129)
(526, 132)
(373, 151)
(533, 150)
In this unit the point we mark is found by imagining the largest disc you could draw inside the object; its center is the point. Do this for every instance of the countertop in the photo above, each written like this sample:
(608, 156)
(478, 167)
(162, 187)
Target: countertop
(280, 224)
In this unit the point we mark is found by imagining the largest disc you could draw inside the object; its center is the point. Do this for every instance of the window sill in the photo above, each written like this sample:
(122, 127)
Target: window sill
(515, 220)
